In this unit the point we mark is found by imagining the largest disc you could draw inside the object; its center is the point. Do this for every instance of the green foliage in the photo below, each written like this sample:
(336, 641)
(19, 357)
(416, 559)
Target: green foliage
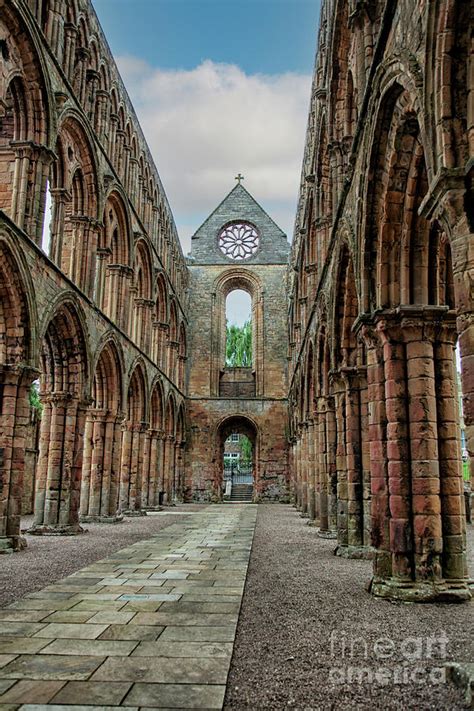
(466, 471)
(239, 346)
(34, 398)
(245, 449)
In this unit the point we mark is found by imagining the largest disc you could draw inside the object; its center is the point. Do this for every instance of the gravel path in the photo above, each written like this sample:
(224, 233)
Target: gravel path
(297, 593)
(50, 558)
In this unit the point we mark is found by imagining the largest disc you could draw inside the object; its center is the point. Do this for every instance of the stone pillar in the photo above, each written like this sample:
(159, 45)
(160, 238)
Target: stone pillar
(178, 479)
(57, 496)
(425, 556)
(14, 420)
(101, 120)
(316, 463)
(304, 469)
(145, 469)
(338, 387)
(323, 470)
(70, 40)
(20, 191)
(311, 471)
(126, 448)
(379, 497)
(449, 449)
(92, 85)
(115, 505)
(136, 468)
(298, 469)
(113, 125)
(331, 465)
(153, 469)
(54, 29)
(87, 464)
(60, 197)
(169, 464)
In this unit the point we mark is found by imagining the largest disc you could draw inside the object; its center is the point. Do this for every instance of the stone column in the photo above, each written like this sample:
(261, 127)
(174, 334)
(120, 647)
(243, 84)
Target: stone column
(420, 406)
(125, 464)
(54, 29)
(136, 467)
(14, 419)
(20, 193)
(304, 469)
(102, 103)
(338, 387)
(113, 126)
(115, 505)
(298, 469)
(317, 481)
(60, 197)
(70, 40)
(57, 497)
(87, 464)
(169, 467)
(380, 525)
(323, 471)
(311, 471)
(153, 469)
(92, 85)
(331, 465)
(145, 475)
(449, 449)
(178, 485)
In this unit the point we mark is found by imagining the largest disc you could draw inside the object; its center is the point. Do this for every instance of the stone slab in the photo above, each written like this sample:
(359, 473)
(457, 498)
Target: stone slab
(174, 696)
(47, 667)
(179, 670)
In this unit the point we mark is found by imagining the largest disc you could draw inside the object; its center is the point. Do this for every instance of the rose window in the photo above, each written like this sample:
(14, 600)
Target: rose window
(239, 240)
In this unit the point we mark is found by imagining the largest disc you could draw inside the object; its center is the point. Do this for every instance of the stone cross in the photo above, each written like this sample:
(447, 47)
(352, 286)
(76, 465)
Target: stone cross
(239, 177)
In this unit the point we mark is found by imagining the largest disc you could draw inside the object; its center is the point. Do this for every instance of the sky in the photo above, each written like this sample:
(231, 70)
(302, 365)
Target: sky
(219, 87)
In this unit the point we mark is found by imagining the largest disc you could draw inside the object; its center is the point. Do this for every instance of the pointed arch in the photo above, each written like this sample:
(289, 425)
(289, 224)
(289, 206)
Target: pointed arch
(63, 388)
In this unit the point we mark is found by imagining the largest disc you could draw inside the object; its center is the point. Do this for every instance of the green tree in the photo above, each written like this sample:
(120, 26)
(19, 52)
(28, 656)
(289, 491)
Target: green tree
(245, 449)
(34, 398)
(239, 345)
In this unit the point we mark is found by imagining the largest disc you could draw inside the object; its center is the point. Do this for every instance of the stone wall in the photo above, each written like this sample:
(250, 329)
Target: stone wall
(379, 292)
(94, 306)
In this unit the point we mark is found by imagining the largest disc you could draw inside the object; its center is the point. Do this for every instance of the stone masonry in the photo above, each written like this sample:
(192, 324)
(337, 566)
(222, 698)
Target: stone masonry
(380, 292)
(212, 405)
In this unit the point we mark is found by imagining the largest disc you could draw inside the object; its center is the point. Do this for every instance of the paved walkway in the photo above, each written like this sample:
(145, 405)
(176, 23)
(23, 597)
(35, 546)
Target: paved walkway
(150, 627)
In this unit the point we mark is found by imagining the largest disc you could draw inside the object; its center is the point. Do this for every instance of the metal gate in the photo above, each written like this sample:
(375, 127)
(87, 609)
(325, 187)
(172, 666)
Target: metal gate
(238, 473)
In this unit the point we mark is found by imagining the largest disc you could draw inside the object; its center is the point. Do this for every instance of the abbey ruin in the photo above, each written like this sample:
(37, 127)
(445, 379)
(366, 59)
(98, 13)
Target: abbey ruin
(351, 400)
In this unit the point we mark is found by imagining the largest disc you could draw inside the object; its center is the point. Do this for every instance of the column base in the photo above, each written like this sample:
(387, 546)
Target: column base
(304, 515)
(154, 508)
(12, 544)
(440, 591)
(56, 530)
(355, 552)
(326, 534)
(118, 518)
(132, 513)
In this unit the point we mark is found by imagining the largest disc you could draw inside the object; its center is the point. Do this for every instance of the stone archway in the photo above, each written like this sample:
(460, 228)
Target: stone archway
(241, 478)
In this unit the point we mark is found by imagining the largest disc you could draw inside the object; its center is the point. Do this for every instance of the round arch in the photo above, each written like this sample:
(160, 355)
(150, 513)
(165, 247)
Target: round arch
(230, 280)
(242, 425)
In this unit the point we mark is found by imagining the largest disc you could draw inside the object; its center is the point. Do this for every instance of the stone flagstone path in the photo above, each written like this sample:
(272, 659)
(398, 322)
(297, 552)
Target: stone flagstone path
(150, 627)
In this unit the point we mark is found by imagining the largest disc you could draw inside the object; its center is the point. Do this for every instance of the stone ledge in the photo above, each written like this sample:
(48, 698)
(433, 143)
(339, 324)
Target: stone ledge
(355, 552)
(420, 592)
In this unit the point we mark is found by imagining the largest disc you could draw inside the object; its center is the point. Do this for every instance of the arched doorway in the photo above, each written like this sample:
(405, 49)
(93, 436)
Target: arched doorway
(237, 459)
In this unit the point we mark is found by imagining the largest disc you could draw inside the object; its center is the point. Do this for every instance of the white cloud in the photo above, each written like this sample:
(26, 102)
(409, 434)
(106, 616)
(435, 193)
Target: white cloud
(205, 125)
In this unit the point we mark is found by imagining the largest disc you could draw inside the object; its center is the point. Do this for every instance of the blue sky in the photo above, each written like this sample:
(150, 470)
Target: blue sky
(220, 87)
(267, 36)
